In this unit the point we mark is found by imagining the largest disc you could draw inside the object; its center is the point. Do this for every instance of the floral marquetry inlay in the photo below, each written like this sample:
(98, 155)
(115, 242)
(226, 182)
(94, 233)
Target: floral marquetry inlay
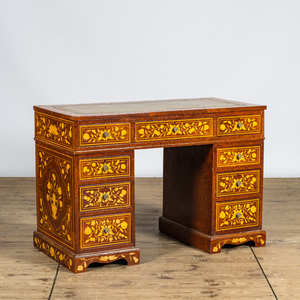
(177, 129)
(239, 125)
(237, 183)
(54, 195)
(104, 167)
(55, 130)
(53, 252)
(104, 134)
(233, 215)
(105, 230)
(104, 196)
(238, 156)
(259, 240)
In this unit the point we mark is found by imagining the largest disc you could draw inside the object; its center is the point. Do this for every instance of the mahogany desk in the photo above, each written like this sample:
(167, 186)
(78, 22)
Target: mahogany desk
(212, 187)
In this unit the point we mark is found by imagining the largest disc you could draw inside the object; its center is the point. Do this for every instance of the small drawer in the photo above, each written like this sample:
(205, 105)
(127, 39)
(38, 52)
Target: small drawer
(237, 183)
(104, 196)
(238, 156)
(104, 134)
(175, 129)
(104, 167)
(237, 214)
(236, 125)
(105, 230)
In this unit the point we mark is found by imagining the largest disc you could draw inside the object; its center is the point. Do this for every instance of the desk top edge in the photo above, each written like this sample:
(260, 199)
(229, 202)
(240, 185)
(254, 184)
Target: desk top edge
(173, 106)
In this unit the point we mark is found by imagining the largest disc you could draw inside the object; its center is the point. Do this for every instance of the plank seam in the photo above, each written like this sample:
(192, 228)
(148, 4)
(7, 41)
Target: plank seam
(261, 268)
(54, 281)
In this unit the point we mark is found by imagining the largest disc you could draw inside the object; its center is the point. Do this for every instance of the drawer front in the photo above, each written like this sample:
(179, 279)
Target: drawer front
(104, 196)
(237, 183)
(237, 125)
(175, 129)
(237, 214)
(238, 156)
(105, 230)
(104, 167)
(104, 134)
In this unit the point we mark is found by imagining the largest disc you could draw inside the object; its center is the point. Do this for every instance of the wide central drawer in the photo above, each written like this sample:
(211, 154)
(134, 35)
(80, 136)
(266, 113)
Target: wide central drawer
(237, 183)
(105, 230)
(173, 129)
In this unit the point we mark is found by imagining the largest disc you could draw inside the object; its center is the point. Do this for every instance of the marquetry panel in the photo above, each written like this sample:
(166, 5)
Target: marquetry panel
(103, 134)
(238, 183)
(105, 230)
(104, 167)
(54, 193)
(54, 130)
(238, 156)
(237, 125)
(237, 214)
(104, 196)
(175, 129)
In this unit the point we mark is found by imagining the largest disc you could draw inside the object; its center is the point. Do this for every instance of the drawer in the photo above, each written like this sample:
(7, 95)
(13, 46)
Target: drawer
(236, 125)
(173, 129)
(103, 134)
(105, 230)
(237, 214)
(238, 156)
(104, 196)
(237, 183)
(104, 167)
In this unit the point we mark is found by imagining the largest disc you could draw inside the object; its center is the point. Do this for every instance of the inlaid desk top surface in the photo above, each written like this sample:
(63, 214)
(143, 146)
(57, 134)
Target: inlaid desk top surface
(148, 107)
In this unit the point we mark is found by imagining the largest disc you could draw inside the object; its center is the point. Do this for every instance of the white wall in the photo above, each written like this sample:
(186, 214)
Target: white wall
(71, 51)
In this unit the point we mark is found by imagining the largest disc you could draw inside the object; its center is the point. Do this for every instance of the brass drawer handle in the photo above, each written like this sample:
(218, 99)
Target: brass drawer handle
(106, 230)
(105, 168)
(105, 197)
(239, 125)
(238, 183)
(106, 134)
(175, 129)
(239, 156)
(238, 215)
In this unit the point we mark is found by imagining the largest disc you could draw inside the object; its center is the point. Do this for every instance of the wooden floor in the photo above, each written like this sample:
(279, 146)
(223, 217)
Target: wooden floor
(168, 269)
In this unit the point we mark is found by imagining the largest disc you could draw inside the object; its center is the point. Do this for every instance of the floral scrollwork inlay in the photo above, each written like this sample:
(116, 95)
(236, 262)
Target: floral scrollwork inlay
(237, 183)
(53, 252)
(105, 230)
(259, 240)
(233, 215)
(54, 194)
(132, 257)
(104, 196)
(104, 134)
(238, 156)
(54, 129)
(239, 125)
(149, 131)
(105, 167)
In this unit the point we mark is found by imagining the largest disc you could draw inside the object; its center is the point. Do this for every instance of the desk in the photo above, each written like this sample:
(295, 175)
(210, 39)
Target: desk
(212, 186)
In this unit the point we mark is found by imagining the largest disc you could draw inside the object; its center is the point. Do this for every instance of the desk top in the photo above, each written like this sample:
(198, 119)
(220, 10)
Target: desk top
(82, 111)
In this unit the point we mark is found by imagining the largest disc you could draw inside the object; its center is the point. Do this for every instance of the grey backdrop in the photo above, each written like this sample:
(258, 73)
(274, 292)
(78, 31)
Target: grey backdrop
(54, 52)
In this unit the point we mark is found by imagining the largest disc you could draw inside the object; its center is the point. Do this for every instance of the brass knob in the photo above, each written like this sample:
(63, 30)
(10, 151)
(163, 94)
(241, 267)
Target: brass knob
(239, 125)
(106, 134)
(105, 196)
(239, 156)
(238, 183)
(105, 168)
(238, 215)
(175, 129)
(106, 230)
